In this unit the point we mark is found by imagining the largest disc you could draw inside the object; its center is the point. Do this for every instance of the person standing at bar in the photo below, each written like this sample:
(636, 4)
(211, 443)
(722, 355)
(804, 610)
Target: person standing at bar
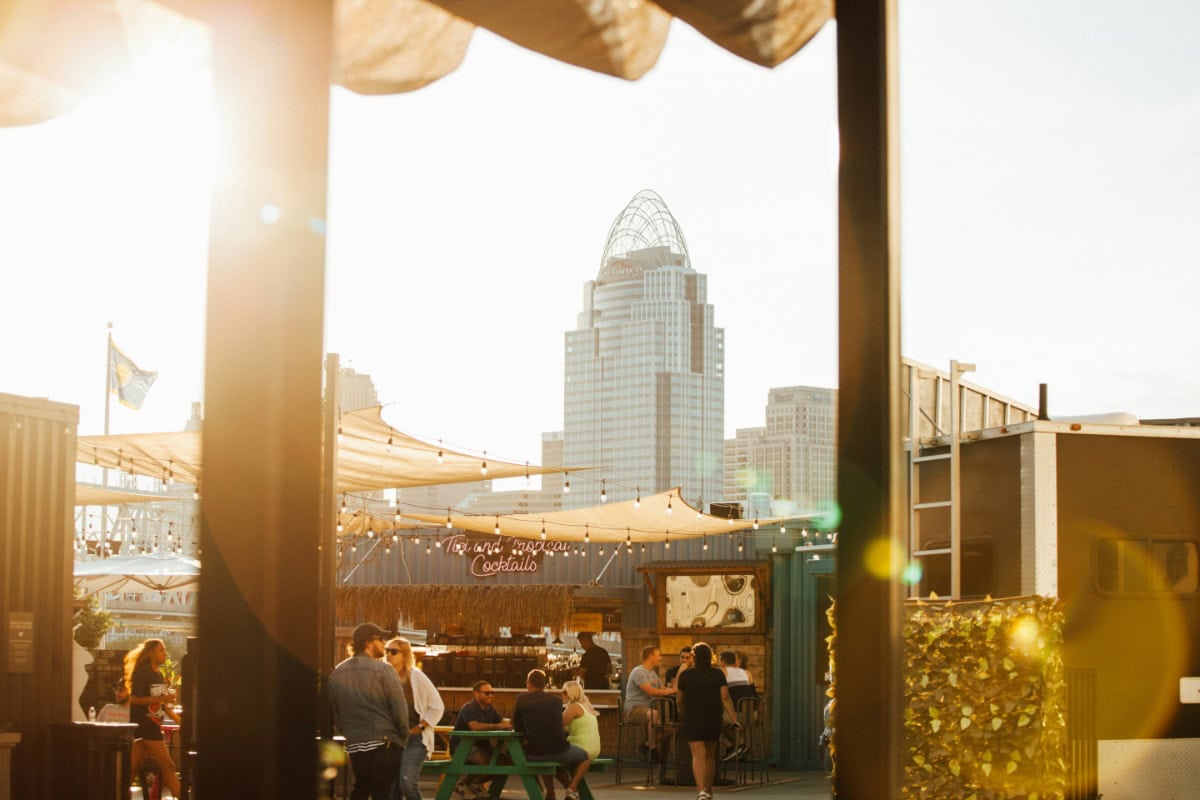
(702, 696)
(425, 709)
(370, 710)
(595, 666)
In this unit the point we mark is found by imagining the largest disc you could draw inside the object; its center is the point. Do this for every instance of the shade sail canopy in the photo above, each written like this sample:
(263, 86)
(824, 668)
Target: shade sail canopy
(54, 51)
(655, 518)
(155, 571)
(88, 494)
(371, 455)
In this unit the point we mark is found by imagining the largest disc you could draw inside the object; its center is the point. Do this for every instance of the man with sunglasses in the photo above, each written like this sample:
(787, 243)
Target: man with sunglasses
(370, 710)
(479, 714)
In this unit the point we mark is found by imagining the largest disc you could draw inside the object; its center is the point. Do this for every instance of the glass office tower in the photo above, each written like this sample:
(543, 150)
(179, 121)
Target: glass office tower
(644, 399)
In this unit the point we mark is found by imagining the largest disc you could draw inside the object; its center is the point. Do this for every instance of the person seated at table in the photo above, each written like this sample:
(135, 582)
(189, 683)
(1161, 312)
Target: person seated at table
(539, 716)
(479, 714)
(643, 686)
(118, 709)
(740, 685)
(685, 659)
(581, 719)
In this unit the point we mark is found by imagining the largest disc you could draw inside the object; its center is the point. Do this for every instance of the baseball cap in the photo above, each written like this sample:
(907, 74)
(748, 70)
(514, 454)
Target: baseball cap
(366, 632)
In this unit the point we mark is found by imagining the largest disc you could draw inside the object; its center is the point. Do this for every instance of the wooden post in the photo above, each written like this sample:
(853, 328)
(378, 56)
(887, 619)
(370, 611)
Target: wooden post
(256, 720)
(870, 543)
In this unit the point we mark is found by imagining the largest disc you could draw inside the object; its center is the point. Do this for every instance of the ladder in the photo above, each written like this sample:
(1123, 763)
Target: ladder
(918, 455)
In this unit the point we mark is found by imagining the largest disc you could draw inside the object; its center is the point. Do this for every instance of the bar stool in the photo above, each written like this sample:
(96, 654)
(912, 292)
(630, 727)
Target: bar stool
(667, 713)
(752, 736)
(623, 725)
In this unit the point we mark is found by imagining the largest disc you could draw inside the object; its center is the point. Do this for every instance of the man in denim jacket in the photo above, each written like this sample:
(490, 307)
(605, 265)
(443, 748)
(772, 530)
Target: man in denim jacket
(370, 710)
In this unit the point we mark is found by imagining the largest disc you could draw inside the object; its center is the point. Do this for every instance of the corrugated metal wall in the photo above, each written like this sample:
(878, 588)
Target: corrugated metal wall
(37, 493)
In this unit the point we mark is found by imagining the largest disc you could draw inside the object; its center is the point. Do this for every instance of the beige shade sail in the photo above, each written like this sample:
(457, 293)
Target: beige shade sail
(371, 455)
(53, 52)
(89, 494)
(358, 523)
(655, 518)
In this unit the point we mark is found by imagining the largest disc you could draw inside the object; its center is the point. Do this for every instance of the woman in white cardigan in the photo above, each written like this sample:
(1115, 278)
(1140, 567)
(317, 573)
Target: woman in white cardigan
(425, 709)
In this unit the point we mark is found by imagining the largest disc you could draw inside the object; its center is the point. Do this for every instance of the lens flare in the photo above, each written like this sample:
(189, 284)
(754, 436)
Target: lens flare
(882, 559)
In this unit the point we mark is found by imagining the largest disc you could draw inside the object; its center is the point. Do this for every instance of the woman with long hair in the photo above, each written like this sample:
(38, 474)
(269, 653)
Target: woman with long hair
(425, 709)
(149, 697)
(581, 719)
(702, 696)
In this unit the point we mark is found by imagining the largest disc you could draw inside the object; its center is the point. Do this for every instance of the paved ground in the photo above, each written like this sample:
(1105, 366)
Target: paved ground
(783, 786)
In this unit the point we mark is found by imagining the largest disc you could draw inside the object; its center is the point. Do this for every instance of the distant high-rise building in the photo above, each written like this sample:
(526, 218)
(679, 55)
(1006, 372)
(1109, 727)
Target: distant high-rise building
(356, 390)
(644, 398)
(792, 459)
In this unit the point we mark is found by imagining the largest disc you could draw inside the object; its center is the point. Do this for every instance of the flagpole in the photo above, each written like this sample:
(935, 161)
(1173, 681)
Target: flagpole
(107, 401)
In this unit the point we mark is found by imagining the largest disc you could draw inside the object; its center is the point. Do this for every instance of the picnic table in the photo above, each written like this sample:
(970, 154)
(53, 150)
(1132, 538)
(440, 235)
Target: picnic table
(521, 767)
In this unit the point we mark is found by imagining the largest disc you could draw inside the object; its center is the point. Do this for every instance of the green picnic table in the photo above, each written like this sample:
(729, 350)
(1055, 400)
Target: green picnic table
(510, 741)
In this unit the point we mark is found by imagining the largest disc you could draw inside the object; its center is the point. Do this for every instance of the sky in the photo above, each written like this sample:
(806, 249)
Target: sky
(1050, 179)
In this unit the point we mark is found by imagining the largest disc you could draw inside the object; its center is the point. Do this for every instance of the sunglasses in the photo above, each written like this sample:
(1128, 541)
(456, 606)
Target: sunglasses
(487, 692)
(393, 651)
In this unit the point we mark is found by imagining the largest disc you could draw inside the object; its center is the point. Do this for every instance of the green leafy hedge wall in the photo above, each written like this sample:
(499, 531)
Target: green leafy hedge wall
(984, 700)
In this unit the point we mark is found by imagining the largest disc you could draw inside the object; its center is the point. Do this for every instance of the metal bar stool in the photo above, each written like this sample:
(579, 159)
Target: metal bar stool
(751, 736)
(665, 714)
(624, 724)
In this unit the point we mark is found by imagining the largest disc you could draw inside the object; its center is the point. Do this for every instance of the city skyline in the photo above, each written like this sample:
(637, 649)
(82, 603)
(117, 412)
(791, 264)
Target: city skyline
(1047, 220)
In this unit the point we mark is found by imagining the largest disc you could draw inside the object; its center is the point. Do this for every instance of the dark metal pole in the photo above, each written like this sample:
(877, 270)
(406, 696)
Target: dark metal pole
(259, 599)
(870, 544)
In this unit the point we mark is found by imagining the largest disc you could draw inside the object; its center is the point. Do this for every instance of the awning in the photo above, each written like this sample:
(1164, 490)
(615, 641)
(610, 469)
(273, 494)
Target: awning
(655, 518)
(371, 455)
(53, 51)
(88, 494)
(156, 571)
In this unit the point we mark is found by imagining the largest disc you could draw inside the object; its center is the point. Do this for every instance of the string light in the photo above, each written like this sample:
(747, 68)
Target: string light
(774, 549)
(783, 528)
(637, 501)
(353, 547)
(643, 548)
(705, 542)
(389, 444)
(667, 540)
(602, 550)
(427, 551)
(339, 527)
(343, 504)
(441, 457)
(740, 547)
(527, 473)
(395, 540)
(804, 532)
(543, 530)
(449, 524)
(587, 534)
(483, 466)
(756, 523)
(340, 436)
(699, 507)
(566, 484)
(603, 491)
(497, 529)
(566, 553)
(396, 516)
(628, 541)
(437, 541)
(668, 505)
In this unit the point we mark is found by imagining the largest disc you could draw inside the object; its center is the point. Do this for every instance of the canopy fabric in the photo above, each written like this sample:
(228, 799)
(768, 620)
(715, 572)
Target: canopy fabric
(89, 494)
(156, 571)
(53, 51)
(357, 523)
(371, 455)
(655, 518)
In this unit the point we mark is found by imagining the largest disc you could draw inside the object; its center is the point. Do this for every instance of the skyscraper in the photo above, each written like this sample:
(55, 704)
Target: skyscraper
(644, 398)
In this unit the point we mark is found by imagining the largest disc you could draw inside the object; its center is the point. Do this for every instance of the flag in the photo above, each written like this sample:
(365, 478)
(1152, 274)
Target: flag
(125, 379)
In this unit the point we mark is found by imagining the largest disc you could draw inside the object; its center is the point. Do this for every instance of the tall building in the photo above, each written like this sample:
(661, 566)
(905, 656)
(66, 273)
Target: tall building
(791, 459)
(356, 390)
(644, 395)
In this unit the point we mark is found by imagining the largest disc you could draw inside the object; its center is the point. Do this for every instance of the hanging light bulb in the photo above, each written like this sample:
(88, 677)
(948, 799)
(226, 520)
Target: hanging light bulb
(667, 540)
(543, 530)
(196, 491)
(804, 532)
(170, 473)
(437, 541)
(396, 516)
(390, 442)
(340, 528)
(343, 504)
(340, 436)
(783, 528)
(497, 529)
(527, 481)
(740, 547)
(566, 484)
(387, 551)
(628, 540)
(353, 547)
(774, 549)
(441, 457)
(756, 523)
(668, 505)
(603, 490)
(427, 550)
(370, 533)
(699, 507)
(643, 548)
(587, 534)
(395, 539)
(449, 524)
(705, 542)
(602, 550)
(483, 466)
(566, 553)
(637, 501)
(816, 557)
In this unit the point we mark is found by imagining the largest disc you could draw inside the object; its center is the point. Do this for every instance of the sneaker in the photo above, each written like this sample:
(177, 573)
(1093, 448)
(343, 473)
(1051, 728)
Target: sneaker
(731, 754)
(704, 796)
(743, 752)
(572, 794)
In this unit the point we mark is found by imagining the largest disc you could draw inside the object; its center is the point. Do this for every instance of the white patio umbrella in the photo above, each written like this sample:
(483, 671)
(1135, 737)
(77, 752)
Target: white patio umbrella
(159, 572)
